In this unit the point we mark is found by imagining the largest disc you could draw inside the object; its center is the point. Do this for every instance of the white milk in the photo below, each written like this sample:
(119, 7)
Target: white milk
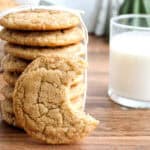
(130, 65)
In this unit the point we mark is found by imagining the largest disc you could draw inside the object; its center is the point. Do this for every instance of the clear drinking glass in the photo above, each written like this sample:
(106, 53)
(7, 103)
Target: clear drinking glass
(129, 74)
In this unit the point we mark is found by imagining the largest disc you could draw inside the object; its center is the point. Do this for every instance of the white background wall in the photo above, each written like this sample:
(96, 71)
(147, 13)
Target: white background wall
(90, 7)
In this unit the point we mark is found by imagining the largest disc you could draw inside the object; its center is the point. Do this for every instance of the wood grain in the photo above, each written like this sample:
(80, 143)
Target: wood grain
(120, 128)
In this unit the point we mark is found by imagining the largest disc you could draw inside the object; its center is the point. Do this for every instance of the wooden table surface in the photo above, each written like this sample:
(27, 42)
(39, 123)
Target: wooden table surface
(120, 128)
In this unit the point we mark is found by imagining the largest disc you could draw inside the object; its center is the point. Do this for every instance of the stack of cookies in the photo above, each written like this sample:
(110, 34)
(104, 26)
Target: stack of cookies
(44, 71)
(33, 33)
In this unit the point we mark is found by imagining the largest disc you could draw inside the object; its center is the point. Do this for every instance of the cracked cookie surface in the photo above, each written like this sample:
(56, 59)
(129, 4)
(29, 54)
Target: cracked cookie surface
(42, 102)
(45, 38)
(13, 64)
(58, 63)
(31, 53)
(39, 19)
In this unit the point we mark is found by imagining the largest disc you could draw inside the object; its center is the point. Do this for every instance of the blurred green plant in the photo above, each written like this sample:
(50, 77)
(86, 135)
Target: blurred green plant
(136, 7)
(133, 7)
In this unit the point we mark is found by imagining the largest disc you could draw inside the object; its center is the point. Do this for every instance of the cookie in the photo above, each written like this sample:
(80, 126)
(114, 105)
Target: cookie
(45, 38)
(42, 103)
(39, 19)
(7, 113)
(75, 91)
(30, 53)
(7, 91)
(13, 64)
(58, 62)
(10, 77)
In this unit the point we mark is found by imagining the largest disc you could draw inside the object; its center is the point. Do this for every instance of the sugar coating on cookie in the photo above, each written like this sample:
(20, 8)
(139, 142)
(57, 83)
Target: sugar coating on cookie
(31, 53)
(13, 64)
(45, 38)
(42, 102)
(39, 19)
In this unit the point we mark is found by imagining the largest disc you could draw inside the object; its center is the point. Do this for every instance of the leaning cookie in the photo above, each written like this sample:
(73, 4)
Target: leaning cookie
(42, 104)
(39, 19)
(13, 64)
(45, 38)
(31, 53)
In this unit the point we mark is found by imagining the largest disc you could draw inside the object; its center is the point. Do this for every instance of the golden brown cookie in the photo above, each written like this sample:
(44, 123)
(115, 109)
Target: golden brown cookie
(45, 38)
(13, 64)
(7, 114)
(40, 20)
(30, 53)
(42, 103)
(10, 77)
(7, 91)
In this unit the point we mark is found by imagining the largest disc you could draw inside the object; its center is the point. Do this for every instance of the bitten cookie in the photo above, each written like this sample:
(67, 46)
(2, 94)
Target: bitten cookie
(30, 53)
(45, 38)
(13, 64)
(39, 19)
(42, 102)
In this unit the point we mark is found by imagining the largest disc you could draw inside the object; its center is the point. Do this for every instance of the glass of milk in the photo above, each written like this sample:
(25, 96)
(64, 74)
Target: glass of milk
(129, 71)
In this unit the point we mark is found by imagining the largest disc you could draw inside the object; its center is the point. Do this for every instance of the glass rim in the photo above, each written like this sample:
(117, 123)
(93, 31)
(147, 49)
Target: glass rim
(126, 16)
